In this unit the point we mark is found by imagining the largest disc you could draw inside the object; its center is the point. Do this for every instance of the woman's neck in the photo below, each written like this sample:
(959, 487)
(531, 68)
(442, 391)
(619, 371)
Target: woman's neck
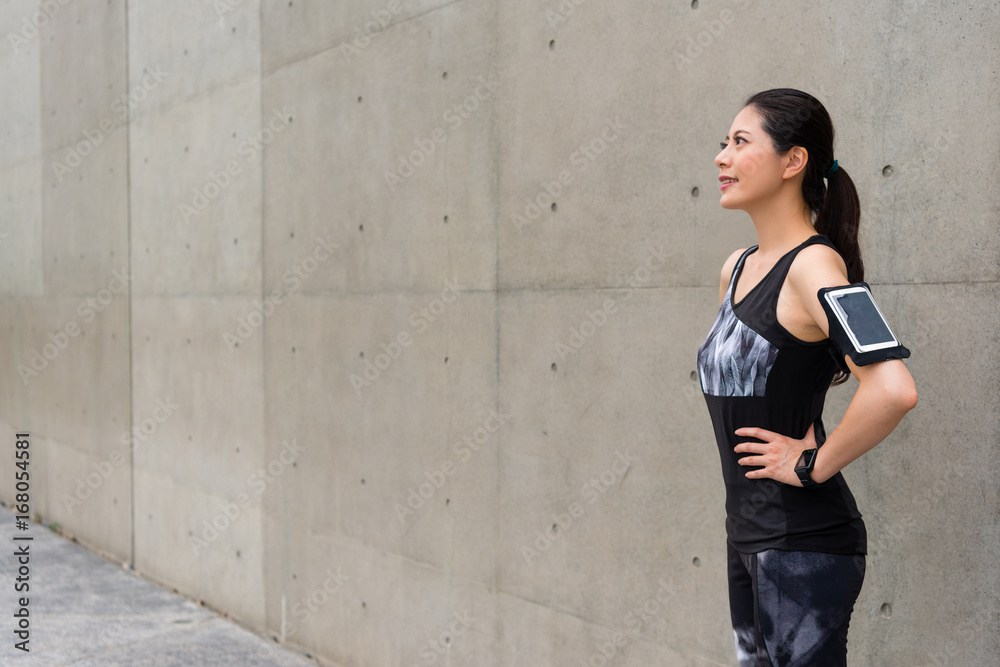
(781, 227)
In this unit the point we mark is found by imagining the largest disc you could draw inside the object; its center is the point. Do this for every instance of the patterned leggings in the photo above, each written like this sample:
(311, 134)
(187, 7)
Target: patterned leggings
(792, 608)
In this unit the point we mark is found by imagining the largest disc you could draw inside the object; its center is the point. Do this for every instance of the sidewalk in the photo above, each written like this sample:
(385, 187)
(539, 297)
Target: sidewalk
(86, 611)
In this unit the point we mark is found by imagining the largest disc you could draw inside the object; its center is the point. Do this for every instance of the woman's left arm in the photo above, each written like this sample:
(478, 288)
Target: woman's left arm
(886, 392)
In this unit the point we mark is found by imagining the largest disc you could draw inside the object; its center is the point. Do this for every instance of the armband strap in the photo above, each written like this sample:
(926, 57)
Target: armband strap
(857, 327)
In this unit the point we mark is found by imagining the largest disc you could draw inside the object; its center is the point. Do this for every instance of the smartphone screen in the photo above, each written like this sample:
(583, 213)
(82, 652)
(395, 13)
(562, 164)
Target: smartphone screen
(863, 320)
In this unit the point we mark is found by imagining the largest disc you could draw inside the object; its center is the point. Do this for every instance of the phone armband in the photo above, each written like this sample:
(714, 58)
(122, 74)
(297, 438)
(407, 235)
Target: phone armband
(857, 327)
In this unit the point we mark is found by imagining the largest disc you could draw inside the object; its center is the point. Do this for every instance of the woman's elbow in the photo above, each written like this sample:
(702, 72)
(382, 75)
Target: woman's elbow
(907, 397)
(892, 385)
(903, 393)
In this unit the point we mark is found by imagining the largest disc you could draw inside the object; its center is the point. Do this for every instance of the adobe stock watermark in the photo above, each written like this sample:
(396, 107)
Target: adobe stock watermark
(92, 138)
(634, 620)
(949, 653)
(921, 505)
(436, 647)
(592, 490)
(303, 609)
(223, 7)
(60, 339)
(102, 470)
(597, 318)
(580, 160)
(560, 15)
(419, 320)
(419, 495)
(292, 278)
(32, 25)
(704, 39)
(381, 18)
(230, 512)
(221, 179)
(113, 629)
(407, 165)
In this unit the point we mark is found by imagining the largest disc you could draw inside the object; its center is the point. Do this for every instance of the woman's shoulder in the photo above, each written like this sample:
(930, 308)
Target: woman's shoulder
(730, 264)
(818, 264)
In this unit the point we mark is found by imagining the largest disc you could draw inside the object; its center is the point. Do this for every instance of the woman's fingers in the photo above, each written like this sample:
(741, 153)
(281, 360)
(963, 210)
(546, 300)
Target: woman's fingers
(759, 433)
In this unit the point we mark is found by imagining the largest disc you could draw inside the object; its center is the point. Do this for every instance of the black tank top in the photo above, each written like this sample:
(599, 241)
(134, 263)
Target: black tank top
(754, 373)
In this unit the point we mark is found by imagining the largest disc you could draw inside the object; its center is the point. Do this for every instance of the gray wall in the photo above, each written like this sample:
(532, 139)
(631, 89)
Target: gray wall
(528, 463)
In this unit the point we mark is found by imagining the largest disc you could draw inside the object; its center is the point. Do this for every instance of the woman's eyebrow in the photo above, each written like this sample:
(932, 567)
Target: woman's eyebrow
(740, 132)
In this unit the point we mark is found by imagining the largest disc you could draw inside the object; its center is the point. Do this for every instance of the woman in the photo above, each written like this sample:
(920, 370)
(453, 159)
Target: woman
(796, 540)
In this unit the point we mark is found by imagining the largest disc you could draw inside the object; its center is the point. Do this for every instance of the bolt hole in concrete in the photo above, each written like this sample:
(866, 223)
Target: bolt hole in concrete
(886, 610)
(696, 562)
(694, 376)
(552, 44)
(553, 207)
(887, 170)
(444, 75)
(446, 220)
(362, 480)
(694, 4)
(553, 367)
(359, 99)
(695, 192)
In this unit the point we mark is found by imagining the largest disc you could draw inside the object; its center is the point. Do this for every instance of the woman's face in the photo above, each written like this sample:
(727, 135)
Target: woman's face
(748, 157)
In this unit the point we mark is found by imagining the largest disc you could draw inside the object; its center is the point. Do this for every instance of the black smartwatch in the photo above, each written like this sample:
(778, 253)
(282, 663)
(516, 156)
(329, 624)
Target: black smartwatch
(804, 466)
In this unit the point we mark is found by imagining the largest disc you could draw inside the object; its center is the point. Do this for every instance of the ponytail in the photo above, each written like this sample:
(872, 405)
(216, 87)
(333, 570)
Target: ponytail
(838, 220)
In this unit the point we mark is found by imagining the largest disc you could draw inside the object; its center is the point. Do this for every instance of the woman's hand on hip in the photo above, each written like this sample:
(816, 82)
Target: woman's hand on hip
(777, 454)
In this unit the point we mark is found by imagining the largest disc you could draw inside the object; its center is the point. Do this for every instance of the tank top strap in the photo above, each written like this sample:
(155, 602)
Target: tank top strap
(736, 269)
(776, 278)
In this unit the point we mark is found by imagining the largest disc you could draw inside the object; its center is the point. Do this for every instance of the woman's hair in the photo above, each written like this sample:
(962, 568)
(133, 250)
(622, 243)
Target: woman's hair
(793, 118)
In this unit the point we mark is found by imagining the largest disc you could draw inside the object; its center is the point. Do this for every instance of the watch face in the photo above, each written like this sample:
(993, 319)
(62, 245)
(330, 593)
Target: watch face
(808, 459)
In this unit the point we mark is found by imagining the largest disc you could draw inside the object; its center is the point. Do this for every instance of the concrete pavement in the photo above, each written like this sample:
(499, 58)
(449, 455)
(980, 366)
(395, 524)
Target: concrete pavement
(86, 611)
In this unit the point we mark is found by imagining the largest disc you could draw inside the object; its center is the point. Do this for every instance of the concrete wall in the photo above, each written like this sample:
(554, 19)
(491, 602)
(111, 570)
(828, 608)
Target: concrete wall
(383, 403)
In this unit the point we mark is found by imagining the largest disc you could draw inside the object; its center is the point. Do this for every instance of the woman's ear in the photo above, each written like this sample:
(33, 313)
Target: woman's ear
(795, 162)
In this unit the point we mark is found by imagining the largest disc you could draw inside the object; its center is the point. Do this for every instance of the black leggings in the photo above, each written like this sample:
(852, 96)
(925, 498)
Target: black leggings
(792, 608)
